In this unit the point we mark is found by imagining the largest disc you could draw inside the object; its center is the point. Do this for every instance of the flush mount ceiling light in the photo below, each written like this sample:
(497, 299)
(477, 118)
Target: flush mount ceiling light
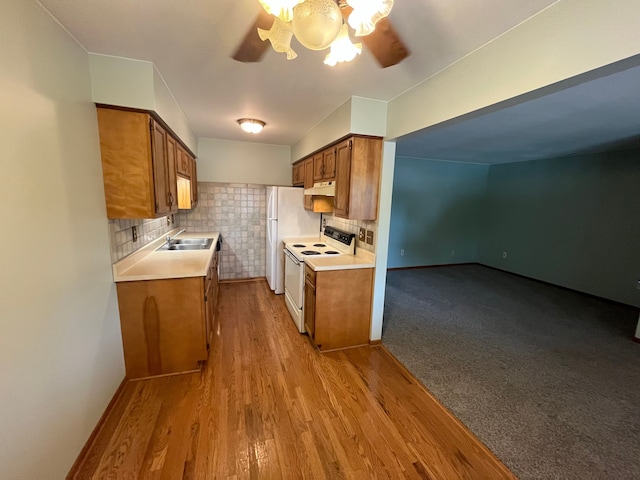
(251, 125)
(320, 24)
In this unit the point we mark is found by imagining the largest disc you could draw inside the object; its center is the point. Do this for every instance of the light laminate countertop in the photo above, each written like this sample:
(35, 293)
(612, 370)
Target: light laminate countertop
(362, 259)
(151, 264)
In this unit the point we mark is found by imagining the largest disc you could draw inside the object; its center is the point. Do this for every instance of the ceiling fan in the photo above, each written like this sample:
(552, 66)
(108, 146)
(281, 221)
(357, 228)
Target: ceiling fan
(279, 20)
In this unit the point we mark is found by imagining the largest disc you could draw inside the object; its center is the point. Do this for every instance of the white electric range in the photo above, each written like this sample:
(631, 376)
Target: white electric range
(332, 242)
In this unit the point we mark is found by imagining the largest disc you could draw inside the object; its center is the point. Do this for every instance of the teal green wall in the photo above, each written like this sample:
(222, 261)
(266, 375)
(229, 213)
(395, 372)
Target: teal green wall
(572, 221)
(436, 209)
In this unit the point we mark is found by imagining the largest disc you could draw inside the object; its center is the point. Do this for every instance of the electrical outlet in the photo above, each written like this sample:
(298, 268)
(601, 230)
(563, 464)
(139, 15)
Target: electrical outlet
(453, 252)
(324, 222)
(370, 237)
(362, 234)
(504, 254)
(134, 233)
(168, 221)
(402, 253)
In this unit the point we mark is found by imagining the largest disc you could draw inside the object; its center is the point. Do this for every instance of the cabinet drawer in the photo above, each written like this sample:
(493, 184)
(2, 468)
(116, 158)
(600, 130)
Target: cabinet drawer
(309, 275)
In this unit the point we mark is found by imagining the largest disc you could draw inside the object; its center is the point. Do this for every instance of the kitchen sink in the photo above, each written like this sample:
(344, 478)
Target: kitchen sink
(187, 244)
(192, 241)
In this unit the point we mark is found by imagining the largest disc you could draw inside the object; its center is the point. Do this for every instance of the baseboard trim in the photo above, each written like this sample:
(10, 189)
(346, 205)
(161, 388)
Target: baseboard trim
(517, 275)
(433, 266)
(374, 343)
(77, 465)
(242, 280)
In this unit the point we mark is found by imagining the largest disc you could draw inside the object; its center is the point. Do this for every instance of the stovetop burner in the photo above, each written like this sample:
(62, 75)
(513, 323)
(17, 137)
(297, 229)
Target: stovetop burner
(331, 252)
(319, 245)
(299, 245)
(310, 252)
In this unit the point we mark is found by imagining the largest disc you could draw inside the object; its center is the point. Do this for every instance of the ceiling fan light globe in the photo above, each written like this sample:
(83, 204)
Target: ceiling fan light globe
(342, 50)
(366, 13)
(316, 23)
(283, 9)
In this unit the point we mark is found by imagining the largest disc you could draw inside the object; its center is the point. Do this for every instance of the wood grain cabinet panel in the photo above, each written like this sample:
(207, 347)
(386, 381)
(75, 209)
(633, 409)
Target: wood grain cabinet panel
(163, 326)
(337, 310)
(308, 182)
(324, 165)
(138, 167)
(358, 164)
(167, 324)
(297, 174)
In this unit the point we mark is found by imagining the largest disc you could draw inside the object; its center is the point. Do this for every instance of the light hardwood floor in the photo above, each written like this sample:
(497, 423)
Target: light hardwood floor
(268, 405)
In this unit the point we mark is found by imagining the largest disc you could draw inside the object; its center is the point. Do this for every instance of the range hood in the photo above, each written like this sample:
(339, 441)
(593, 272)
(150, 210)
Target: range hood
(325, 189)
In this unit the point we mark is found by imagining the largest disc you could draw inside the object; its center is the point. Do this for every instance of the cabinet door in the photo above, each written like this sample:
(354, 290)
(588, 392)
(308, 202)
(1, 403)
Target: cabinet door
(329, 164)
(308, 182)
(172, 177)
(343, 179)
(310, 308)
(194, 182)
(160, 173)
(318, 167)
(209, 306)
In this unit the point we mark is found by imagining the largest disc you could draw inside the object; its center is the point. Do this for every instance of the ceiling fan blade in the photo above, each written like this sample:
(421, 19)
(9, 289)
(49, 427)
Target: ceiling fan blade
(385, 44)
(252, 48)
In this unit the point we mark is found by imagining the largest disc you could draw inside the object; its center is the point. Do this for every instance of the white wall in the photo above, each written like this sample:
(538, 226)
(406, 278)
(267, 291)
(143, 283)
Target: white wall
(567, 39)
(169, 110)
(138, 84)
(331, 128)
(243, 162)
(122, 81)
(60, 349)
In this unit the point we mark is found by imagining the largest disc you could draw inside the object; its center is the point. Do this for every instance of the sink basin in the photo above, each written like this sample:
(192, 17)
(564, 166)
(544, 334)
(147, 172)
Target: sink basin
(188, 244)
(192, 241)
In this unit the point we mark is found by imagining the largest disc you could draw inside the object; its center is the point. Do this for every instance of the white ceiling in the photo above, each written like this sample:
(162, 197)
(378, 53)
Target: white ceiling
(190, 42)
(588, 115)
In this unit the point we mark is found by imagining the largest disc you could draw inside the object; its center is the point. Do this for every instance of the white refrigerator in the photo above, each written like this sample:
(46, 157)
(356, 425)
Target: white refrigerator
(286, 217)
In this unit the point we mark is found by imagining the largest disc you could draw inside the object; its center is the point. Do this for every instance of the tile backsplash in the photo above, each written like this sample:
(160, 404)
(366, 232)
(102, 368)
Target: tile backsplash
(238, 212)
(353, 226)
(121, 234)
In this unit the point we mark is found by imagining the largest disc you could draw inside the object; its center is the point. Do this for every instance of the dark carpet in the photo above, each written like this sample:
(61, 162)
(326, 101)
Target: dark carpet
(547, 378)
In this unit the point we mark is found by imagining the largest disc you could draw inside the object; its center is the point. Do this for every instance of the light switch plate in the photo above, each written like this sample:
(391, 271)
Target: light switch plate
(362, 234)
(370, 237)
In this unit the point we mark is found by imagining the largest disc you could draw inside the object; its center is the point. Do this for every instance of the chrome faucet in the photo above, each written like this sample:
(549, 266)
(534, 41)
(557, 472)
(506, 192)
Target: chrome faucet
(168, 237)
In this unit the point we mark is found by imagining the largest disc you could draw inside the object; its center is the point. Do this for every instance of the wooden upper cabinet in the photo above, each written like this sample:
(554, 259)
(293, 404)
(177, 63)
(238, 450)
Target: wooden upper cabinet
(329, 164)
(297, 174)
(138, 165)
(358, 163)
(324, 165)
(187, 179)
(308, 182)
(194, 181)
(183, 165)
(343, 180)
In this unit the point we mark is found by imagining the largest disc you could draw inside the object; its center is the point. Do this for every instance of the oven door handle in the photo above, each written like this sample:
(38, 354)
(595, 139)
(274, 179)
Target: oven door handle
(290, 255)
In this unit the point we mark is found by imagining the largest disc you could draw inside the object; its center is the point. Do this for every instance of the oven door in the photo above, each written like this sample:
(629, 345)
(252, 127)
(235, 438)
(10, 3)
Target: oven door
(293, 278)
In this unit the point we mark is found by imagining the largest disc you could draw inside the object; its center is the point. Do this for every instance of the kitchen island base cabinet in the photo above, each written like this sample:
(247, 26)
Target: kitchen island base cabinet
(337, 310)
(164, 325)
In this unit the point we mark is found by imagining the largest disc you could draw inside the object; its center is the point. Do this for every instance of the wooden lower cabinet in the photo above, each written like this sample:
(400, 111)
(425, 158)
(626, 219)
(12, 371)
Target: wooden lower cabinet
(337, 308)
(167, 324)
